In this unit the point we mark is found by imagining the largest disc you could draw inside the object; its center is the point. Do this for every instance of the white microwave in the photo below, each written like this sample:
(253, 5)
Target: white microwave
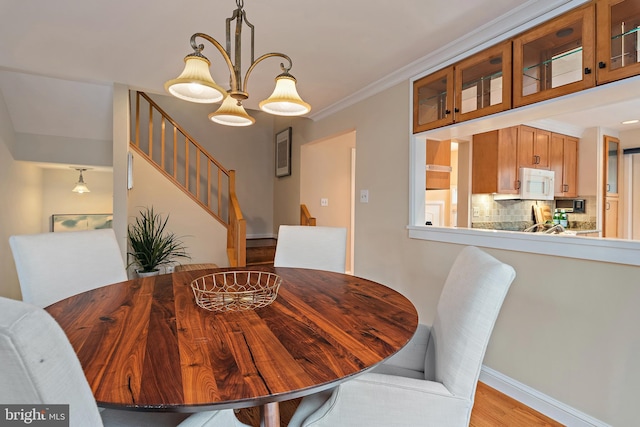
(536, 184)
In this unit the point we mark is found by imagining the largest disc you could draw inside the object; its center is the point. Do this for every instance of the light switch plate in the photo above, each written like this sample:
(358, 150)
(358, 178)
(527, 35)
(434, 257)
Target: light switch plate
(324, 202)
(364, 196)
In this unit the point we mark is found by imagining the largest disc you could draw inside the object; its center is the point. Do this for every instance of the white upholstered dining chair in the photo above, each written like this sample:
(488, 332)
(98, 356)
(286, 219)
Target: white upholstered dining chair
(432, 380)
(319, 248)
(54, 266)
(40, 367)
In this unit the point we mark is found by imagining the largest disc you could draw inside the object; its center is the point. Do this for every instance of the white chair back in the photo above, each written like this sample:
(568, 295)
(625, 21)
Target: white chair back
(54, 266)
(467, 311)
(319, 248)
(39, 365)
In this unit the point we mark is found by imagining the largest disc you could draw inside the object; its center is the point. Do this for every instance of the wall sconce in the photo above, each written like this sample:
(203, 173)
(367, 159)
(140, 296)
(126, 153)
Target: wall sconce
(81, 187)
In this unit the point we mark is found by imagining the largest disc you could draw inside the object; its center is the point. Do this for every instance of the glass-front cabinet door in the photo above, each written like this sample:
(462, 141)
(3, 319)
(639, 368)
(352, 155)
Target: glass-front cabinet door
(612, 174)
(618, 46)
(612, 151)
(483, 83)
(555, 58)
(433, 100)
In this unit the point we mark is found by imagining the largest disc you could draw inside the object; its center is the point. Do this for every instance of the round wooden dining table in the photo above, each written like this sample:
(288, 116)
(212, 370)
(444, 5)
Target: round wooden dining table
(145, 344)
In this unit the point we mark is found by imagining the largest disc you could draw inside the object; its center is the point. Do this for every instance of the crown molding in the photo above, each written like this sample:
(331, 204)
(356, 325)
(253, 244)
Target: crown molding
(520, 19)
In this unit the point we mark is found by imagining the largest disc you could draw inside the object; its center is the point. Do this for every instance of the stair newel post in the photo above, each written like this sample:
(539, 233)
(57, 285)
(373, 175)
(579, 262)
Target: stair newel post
(237, 230)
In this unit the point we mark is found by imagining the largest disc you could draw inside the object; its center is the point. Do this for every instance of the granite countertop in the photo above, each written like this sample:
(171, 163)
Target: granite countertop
(579, 227)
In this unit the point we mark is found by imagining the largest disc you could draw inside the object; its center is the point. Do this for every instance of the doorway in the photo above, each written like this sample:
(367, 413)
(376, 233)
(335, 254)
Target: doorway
(327, 183)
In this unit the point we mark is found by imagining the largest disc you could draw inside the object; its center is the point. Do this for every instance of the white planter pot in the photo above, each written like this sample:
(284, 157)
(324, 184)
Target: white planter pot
(147, 273)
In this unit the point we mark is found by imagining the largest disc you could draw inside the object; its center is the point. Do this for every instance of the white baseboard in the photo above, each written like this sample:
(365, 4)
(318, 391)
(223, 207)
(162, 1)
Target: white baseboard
(542, 403)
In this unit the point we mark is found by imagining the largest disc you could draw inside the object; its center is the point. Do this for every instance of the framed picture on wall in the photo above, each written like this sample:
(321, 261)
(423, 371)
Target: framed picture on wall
(78, 222)
(283, 152)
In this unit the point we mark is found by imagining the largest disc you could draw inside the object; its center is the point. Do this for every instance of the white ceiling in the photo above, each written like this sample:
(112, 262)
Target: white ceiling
(59, 59)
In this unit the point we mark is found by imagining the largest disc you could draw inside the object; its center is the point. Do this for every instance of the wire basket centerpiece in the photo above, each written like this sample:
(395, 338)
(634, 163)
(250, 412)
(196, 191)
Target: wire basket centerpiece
(236, 290)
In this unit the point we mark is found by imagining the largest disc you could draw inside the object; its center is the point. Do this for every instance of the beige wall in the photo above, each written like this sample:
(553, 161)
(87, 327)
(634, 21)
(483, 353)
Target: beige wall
(567, 328)
(204, 237)
(249, 151)
(57, 197)
(21, 196)
(286, 189)
(325, 172)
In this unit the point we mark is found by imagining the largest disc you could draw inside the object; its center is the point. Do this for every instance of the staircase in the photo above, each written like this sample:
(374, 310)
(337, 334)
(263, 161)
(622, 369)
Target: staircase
(174, 153)
(261, 251)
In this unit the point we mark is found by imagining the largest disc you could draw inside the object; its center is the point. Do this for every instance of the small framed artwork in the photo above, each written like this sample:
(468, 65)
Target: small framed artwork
(283, 152)
(78, 222)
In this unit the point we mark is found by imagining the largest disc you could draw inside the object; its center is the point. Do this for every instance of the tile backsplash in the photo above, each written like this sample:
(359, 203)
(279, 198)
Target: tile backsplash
(516, 215)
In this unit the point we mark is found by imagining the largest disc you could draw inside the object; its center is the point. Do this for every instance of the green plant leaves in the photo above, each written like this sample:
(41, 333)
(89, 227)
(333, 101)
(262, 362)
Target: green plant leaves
(150, 245)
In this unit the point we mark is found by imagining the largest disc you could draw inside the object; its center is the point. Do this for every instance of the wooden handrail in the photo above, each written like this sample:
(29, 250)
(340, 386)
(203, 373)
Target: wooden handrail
(206, 182)
(305, 216)
(237, 229)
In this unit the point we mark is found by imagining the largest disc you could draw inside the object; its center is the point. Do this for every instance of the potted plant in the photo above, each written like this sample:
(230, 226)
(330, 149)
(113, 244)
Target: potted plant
(150, 245)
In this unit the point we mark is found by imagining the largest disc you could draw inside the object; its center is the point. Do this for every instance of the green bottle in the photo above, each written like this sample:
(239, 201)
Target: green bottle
(564, 219)
(556, 217)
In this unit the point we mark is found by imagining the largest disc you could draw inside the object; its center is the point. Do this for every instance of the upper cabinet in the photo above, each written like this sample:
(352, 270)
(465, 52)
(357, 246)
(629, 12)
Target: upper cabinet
(482, 83)
(438, 165)
(611, 165)
(618, 44)
(495, 162)
(476, 86)
(611, 186)
(498, 155)
(534, 147)
(555, 58)
(564, 162)
(433, 100)
(594, 44)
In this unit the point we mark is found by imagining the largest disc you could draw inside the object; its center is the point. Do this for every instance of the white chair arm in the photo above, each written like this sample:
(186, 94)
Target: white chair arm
(385, 400)
(411, 357)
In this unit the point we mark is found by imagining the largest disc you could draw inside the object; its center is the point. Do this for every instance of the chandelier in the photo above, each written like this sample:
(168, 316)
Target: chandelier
(195, 84)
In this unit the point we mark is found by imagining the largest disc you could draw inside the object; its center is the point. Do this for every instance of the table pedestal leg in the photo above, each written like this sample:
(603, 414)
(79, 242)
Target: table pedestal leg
(270, 415)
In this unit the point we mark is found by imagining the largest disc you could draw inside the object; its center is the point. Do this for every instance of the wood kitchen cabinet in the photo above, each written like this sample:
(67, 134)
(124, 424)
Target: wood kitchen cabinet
(534, 147)
(498, 155)
(482, 83)
(433, 100)
(564, 162)
(618, 39)
(555, 58)
(477, 86)
(495, 162)
(438, 165)
(611, 182)
(610, 226)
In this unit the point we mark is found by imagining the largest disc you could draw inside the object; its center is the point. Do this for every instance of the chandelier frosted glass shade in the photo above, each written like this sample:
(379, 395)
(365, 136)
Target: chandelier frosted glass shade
(195, 84)
(285, 101)
(232, 113)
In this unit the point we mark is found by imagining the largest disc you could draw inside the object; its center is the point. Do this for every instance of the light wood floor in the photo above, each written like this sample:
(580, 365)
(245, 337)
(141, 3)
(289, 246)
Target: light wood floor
(491, 409)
